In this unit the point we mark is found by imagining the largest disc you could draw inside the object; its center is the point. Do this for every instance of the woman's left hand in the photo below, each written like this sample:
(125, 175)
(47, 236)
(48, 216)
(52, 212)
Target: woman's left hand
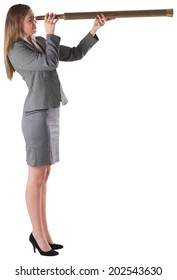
(100, 21)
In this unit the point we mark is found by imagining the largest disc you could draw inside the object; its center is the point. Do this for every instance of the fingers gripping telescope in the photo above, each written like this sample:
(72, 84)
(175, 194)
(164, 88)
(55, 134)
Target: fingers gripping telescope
(114, 14)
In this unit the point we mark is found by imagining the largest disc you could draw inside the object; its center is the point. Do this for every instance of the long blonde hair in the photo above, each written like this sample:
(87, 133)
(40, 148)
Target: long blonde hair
(13, 32)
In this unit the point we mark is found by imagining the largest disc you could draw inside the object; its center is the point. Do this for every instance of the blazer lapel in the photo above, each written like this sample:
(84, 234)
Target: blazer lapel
(41, 45)
(33, 47)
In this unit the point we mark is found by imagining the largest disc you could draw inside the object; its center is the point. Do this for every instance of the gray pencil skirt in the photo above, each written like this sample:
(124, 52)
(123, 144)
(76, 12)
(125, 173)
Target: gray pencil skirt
(41, 133)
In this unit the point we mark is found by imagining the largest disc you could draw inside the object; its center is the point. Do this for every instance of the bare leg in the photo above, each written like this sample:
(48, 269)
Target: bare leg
(36, 180)
(43, 209)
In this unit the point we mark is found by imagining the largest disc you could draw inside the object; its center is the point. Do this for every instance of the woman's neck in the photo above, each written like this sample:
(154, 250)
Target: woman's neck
(28, 38)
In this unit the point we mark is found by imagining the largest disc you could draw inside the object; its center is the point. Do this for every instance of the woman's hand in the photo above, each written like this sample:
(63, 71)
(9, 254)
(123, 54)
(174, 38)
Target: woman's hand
(100, 20)
(49, 23)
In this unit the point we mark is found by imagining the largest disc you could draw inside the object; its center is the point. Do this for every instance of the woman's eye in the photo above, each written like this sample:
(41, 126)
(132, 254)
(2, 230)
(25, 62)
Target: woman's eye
(31, 19)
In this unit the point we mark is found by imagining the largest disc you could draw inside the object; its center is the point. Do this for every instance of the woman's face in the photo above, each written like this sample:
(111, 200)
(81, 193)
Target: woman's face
(29, 24)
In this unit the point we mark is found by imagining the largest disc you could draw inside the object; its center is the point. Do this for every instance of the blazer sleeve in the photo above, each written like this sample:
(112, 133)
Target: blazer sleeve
(24, 58)
(76, 53)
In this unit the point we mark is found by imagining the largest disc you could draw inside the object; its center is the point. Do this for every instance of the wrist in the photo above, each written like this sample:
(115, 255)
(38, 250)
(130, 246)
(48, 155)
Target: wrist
(93, 31)
(48, 31)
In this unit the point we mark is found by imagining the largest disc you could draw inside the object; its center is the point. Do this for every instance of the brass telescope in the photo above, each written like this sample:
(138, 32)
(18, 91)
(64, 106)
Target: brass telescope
(114, 14)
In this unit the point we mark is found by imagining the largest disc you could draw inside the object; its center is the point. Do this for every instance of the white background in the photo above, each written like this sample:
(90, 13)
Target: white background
(111, 199)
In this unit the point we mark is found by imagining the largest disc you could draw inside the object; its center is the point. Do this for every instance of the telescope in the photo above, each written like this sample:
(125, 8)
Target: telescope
(114, 14)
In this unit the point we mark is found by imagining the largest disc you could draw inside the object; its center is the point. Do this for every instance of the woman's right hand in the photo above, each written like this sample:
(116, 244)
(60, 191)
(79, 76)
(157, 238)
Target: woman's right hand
(49, 23)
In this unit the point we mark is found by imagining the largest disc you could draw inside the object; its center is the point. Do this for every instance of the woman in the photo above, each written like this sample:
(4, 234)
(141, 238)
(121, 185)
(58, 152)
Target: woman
(36, 60)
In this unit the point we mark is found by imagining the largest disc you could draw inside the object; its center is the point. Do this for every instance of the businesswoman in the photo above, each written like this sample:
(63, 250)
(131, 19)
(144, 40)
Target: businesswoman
(36, 60)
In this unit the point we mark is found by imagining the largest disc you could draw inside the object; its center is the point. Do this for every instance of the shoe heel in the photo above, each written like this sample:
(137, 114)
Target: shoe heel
(34, 248)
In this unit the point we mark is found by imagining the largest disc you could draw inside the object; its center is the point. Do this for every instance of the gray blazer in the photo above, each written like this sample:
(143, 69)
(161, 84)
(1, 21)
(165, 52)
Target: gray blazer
(38, 68)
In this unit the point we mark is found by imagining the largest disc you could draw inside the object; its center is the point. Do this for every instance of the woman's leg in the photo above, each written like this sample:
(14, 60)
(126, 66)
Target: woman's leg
(36, 181)
(43, 208)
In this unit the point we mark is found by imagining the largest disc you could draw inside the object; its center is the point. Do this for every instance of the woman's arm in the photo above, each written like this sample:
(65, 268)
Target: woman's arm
(76, 53)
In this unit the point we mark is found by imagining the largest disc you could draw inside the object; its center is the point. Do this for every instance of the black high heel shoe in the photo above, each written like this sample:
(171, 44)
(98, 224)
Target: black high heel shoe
(56, 246)
(36, 246)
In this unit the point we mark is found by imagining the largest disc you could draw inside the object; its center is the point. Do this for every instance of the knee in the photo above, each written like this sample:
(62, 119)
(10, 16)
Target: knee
(38, 176)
